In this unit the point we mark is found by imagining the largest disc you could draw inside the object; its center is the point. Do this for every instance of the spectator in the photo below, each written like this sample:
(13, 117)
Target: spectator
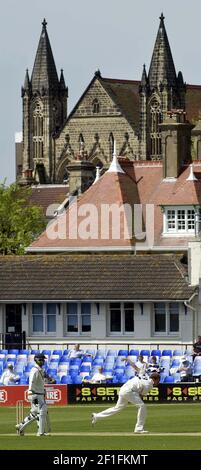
(185, 370)
(77, 352)
(9, 376)
(197, 348)
(98, 377)
(153, 366)
(140, 366)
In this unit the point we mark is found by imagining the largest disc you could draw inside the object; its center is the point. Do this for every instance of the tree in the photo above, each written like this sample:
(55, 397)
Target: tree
(20, 221)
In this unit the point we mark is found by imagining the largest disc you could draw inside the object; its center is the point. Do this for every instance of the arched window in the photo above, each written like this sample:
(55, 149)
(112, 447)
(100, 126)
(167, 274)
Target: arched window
(155, 134)
(38, 131)
(96, 106)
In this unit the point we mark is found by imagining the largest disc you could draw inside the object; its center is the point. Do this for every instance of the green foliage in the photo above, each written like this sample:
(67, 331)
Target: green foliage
(20, 221)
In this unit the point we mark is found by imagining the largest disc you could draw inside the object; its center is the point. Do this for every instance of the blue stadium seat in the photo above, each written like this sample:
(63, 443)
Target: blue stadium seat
(175, 363)
(167, 352)
(177, 352)
(58, 351)
(145, 352)
(134, 352)
(156, 352)
(64, 359)
(123, 352)
(47, 352)
(169, 379)
(65, 352)
(3, 351)
(52, 372)
(13, 351)
(77, 379)
(24, 351)
(66, 379)
(34, 351)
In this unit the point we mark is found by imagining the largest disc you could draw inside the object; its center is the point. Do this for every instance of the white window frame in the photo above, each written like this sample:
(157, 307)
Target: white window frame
(176, 231)
(79, 318)
(167, 331)
(122, 332)
(44, 332)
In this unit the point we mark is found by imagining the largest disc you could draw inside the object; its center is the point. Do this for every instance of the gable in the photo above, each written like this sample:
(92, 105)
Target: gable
(107, 106)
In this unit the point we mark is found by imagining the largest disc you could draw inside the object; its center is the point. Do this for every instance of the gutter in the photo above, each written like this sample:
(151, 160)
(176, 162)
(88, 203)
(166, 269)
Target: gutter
(187, 302)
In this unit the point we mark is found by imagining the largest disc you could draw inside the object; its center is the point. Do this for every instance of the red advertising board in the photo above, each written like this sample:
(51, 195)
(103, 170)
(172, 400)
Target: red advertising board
(55, 394)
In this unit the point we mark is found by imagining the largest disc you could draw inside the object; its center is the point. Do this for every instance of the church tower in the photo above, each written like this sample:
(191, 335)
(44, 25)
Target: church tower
(161, 91)
(44, 99)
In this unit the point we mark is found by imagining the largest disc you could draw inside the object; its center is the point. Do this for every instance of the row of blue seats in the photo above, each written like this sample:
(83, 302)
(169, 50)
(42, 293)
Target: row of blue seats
(103, 353)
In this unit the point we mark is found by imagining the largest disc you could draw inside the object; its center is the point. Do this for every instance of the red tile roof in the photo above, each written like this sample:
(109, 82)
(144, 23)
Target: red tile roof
(142, 183)
(44, 196)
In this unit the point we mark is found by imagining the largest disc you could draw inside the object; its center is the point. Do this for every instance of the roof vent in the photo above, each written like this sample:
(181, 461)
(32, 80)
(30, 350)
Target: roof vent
(191, 176)
(115, 167)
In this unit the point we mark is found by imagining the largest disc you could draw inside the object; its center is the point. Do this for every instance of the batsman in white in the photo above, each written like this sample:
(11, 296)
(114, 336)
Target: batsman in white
(36, 395)
(131, 392)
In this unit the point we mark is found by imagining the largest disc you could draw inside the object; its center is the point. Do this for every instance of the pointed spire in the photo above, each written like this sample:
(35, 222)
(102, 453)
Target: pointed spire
(180, 79)
(115, 167)
(27, 84)
(62, 81)
(27, 81)
(191, 176)
(98, 170)
(62, 85)
(162, 69)
(44, 75)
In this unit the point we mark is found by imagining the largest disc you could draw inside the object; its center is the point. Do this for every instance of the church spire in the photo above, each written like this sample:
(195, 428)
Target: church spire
(162, 69)
(144, 79)
(44, 75)
(26, 88)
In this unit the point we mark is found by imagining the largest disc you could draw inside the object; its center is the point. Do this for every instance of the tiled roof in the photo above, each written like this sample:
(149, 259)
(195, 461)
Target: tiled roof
(111, 188)
(142, 183)
(92, 277)
(44, 196)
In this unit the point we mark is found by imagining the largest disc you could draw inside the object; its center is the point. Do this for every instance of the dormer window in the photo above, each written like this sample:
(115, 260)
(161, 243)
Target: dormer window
(96, 106)
(182, 220)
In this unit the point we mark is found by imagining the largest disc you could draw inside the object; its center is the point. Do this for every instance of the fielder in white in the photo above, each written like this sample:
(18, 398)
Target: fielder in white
(131, 392)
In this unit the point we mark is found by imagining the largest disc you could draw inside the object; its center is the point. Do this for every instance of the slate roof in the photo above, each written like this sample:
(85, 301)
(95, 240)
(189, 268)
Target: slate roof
(125, 94)
(162, 67)
(95, 277)
(44, 73)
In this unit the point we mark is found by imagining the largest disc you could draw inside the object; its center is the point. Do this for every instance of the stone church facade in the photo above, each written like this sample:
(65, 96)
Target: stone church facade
(127, 111)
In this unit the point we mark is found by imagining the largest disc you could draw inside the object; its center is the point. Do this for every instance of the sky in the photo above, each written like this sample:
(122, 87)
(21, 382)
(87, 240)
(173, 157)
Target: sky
(116, 36)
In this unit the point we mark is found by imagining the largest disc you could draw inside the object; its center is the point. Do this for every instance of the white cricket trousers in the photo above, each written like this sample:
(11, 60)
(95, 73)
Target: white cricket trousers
(123, 400)
(42, 408)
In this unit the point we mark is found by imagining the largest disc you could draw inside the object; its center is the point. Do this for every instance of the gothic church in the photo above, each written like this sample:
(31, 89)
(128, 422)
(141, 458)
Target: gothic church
(127, 111)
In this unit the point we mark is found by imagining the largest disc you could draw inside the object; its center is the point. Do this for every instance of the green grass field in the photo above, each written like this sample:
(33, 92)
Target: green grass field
(72, 430)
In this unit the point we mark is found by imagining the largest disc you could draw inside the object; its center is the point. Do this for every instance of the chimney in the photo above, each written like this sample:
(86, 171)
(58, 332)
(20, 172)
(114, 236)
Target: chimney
(27, 178)
(81, 175)
(176, 142)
